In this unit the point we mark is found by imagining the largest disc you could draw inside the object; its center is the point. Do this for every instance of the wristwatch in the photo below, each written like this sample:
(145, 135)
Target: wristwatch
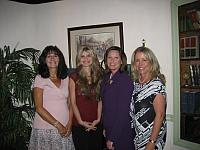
(152, 141)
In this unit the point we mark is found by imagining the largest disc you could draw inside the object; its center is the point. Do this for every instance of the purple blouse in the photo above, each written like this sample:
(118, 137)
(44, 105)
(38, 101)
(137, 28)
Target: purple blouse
(116, 97)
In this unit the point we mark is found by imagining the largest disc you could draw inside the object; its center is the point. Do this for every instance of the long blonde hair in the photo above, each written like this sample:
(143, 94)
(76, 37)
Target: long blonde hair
(155, 67)
(96, 73)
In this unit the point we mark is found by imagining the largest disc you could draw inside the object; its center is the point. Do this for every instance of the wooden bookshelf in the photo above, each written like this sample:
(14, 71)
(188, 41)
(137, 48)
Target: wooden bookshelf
(189, 50)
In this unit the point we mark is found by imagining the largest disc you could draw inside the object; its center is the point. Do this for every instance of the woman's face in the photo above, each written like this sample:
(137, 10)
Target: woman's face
(142, 64)
(52, 60)
(86, 59)
(114, 61)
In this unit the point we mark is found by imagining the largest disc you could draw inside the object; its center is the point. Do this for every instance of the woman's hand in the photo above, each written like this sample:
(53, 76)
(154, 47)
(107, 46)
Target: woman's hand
(95, 122)
(61, 129)
(150, 146)
(88, 125)
(91, 128)
(68, 128)
(110, 145)
(104, 132)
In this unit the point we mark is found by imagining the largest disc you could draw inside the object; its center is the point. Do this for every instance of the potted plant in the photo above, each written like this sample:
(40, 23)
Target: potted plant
(17, 72)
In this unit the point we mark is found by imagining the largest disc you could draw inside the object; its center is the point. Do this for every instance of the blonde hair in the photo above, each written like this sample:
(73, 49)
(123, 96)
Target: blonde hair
(155, 67)
(96, 73)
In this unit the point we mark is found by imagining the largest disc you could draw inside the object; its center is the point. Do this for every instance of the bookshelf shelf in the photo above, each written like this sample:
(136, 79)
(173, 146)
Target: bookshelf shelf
(191, 114)
(189, 60)
(190, 88)
(188, 31)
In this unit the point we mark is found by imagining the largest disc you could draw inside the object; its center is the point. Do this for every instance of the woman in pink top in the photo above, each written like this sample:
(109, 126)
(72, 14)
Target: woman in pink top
(53, 117)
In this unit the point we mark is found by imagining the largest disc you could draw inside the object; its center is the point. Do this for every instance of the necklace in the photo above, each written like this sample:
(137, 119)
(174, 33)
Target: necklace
(145, 80)
(110, 79)
(53, 77)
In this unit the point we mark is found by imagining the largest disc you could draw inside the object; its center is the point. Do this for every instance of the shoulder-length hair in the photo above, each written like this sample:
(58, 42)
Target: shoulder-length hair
(150, 56)
(43, 69)
(121, 54)
(96, 72)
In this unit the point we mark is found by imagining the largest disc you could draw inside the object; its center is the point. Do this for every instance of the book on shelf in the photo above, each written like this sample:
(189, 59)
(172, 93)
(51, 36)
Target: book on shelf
(184, 102)
(194, 16)
(190, 102)
(189, 21)
(195, 74)
(192, 75)
(198, 74)
(189, 47)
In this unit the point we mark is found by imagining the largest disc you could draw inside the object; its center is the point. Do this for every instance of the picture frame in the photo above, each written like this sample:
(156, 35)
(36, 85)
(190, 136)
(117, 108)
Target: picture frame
(99, 37)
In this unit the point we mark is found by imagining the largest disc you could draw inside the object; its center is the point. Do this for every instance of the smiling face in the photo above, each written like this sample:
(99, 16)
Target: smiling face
(86, 59)
(52, 60)
(142, 64)
(114, 61)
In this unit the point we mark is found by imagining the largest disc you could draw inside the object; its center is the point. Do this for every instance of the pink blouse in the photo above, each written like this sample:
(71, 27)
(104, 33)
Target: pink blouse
(54, 101)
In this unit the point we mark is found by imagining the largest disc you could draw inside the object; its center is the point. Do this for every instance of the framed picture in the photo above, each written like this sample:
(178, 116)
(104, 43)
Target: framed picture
(99, 37)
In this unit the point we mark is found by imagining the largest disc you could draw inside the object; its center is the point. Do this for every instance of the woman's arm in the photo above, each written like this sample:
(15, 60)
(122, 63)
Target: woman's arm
(69, 124)
(44, 114)
(159, 107)
(99, 113)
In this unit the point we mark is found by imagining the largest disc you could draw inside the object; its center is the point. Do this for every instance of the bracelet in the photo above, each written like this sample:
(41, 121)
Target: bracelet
(152, 141)
(55, 124)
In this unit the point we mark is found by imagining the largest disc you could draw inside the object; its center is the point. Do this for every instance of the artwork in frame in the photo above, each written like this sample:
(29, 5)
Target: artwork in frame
(98, 37)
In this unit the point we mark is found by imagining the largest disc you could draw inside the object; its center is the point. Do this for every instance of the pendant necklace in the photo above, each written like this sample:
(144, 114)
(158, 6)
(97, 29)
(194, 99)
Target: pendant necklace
(110, 81)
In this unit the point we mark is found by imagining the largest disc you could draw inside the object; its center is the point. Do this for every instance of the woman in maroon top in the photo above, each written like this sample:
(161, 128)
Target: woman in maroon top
(84, 86)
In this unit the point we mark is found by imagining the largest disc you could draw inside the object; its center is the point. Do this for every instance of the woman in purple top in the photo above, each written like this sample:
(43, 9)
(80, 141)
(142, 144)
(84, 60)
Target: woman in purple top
(116, 91)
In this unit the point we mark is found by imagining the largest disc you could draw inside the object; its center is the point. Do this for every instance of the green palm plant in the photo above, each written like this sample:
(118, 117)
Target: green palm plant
(16, 103)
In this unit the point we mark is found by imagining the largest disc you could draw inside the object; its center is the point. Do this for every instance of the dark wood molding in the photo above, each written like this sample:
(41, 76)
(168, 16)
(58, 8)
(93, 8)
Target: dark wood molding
(34, 1)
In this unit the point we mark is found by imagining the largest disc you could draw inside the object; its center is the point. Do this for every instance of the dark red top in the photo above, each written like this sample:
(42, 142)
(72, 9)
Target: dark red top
(87, 105)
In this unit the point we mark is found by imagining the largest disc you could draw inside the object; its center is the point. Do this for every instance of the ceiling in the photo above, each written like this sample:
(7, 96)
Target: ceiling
(34, 1)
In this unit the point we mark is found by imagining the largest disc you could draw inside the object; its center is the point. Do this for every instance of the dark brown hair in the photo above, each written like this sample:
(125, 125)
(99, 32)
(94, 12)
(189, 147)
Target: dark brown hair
(122, 56)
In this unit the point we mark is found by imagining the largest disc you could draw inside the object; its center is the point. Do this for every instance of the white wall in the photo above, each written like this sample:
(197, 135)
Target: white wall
(40, 25)
(17, 24)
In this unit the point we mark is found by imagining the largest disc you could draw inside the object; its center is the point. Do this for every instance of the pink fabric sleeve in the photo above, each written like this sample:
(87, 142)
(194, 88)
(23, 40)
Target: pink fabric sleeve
(38, 82)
